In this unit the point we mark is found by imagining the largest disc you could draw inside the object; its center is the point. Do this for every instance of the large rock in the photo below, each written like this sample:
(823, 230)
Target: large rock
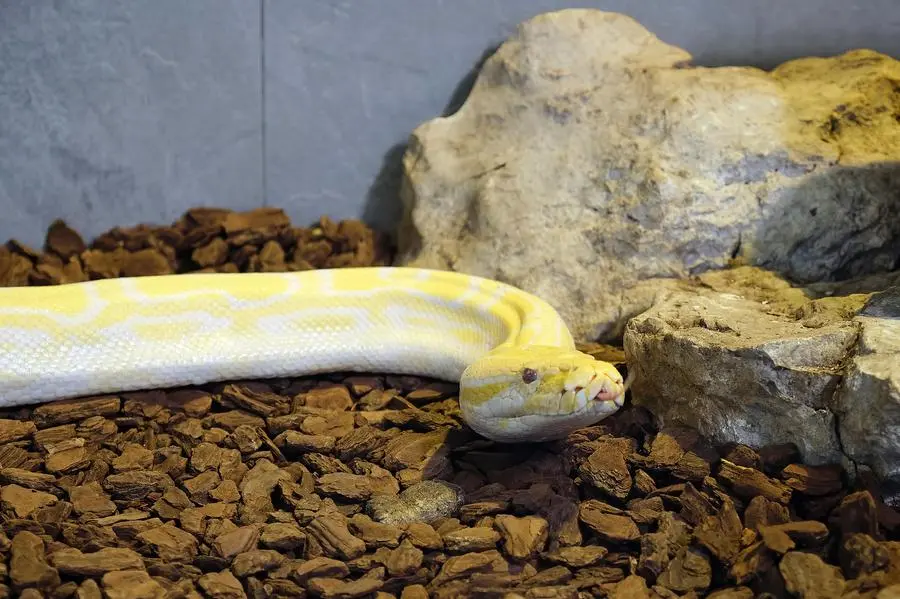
(868, 402)
(590, 157)
(745, 357)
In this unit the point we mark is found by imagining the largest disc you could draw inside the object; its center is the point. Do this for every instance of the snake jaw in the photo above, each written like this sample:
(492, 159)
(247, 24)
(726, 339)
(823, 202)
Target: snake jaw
(611, 391)
(601, 388)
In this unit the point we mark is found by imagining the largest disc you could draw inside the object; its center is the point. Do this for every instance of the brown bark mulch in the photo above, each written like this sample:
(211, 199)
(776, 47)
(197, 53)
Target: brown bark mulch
(348, 486)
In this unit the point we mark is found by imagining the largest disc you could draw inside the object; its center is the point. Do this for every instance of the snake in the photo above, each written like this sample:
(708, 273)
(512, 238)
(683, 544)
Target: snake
(520, 376)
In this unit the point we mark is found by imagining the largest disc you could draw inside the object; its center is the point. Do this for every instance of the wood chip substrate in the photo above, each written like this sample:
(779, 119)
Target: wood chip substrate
(345, 486)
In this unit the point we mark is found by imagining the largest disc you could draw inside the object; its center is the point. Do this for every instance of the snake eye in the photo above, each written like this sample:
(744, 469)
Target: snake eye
(529, 375)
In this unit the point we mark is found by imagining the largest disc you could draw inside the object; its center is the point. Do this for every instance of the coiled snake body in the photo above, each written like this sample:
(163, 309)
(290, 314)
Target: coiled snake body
(520, 376)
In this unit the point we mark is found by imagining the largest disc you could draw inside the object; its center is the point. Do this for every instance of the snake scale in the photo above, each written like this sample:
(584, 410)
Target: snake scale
(520, 375)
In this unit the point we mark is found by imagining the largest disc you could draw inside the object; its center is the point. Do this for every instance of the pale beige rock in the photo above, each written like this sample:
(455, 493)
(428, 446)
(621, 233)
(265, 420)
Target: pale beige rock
(745, 357)
(589, 157)
(741, 368)
(425, 501)
(806, 575)
(868, 402)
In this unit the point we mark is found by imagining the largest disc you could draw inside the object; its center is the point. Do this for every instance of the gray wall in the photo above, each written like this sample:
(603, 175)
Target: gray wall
(114, 112)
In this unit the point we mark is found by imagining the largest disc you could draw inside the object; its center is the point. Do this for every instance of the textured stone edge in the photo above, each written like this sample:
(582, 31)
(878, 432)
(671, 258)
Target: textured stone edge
(866, 376)
(854, 380)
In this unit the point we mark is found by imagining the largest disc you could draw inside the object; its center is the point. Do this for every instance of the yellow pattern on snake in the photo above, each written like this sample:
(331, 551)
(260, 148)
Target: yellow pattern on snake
(520, 376)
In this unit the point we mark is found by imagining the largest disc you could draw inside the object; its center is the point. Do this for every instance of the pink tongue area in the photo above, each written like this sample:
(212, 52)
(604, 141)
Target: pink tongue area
(608, 393)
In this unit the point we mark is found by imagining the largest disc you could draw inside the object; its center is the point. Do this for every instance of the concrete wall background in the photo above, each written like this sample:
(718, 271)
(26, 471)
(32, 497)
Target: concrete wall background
(115, 112)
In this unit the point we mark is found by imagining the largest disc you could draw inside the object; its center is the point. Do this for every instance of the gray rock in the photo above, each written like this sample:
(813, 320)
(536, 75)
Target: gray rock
(745, 357)
(868, 403)
(739, 369)
(590, 158)
(425, 501)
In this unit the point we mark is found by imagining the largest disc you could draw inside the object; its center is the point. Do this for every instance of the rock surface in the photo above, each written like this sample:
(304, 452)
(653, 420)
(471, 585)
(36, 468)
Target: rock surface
(868, 402)
(590, 156)
(745, 357)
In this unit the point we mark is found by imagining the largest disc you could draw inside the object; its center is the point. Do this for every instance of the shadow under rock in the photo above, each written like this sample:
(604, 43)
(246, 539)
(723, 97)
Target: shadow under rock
(383, 209)
(822, 232)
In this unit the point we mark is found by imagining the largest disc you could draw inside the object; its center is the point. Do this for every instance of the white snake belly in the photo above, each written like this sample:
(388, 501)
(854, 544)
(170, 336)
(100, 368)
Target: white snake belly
(118, 335)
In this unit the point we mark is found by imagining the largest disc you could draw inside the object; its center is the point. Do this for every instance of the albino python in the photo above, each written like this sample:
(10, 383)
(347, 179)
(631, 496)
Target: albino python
(520, 376)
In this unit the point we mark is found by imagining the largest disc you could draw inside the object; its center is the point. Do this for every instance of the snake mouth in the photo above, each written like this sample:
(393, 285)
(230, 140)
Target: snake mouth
(611, 392)
(602, 391)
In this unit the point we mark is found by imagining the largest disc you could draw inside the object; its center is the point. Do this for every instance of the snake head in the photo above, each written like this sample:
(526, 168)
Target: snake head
(537, 393)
